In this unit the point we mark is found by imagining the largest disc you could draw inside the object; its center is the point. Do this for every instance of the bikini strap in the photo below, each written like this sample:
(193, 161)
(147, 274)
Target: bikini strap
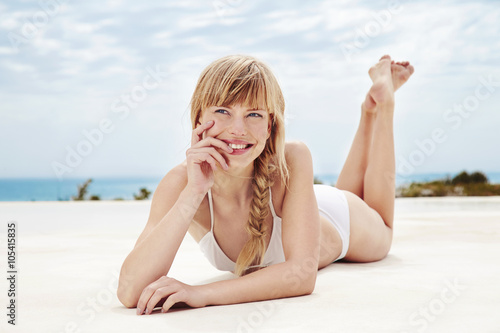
(271, 203)
(211, 210)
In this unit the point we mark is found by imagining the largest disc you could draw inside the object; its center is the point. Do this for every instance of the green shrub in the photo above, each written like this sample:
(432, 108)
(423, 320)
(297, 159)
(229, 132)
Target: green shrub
(82, 190)
(317, 180)
(462, 178)
(478, 178)
(143, 194)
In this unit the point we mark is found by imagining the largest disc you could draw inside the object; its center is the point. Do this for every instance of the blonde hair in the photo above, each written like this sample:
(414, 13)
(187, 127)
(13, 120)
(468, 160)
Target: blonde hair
(239, 79)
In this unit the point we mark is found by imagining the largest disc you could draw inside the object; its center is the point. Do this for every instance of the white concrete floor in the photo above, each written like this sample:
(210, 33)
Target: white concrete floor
(442, 275)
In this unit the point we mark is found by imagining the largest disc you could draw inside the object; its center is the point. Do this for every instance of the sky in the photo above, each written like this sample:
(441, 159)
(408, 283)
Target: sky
(99, 89)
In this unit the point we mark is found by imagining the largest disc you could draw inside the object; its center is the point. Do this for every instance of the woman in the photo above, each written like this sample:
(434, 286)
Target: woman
(248, 197)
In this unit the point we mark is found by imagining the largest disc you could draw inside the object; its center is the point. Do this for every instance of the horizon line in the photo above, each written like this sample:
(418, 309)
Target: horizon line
(162, 175)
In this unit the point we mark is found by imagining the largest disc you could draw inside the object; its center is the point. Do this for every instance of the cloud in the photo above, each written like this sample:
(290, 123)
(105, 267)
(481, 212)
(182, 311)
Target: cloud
(87, 55)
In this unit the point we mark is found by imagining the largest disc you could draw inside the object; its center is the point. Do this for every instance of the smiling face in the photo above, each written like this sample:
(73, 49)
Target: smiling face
(246, 129)
(243, 97)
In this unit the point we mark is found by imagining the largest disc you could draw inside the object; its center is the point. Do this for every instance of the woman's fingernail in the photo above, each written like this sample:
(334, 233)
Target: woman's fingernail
(210, 122)
(163, 311)
(139, 311)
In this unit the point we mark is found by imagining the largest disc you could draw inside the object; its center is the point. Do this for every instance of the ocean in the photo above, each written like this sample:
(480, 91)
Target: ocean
(31, 189)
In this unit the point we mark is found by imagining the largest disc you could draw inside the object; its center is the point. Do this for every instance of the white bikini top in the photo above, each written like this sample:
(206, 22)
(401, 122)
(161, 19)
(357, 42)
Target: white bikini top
(211, 249)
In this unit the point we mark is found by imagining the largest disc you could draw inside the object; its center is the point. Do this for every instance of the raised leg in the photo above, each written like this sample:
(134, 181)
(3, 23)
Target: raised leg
(371, 215)
(379, 181)
(368, 176)
(387, 76)
(352, 176)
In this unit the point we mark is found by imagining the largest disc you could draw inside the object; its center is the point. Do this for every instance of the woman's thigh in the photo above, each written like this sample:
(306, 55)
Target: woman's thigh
(370, 238)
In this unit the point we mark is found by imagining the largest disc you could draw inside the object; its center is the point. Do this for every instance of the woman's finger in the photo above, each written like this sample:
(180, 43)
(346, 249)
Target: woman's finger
(205, 158)
(209, 141)
(144, 298)
(213, 164)
(158, 295)
(171, 300)
(148, 292)
(198, 131)
(202, 154)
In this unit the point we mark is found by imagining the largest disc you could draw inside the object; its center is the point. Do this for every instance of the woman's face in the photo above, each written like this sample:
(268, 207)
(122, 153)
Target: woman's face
(243, 128)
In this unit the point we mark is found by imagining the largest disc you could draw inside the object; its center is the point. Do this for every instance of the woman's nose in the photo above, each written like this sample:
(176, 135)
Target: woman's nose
(238, 127)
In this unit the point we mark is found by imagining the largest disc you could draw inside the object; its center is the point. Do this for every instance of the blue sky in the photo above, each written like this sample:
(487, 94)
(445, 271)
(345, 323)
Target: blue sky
(92, 89)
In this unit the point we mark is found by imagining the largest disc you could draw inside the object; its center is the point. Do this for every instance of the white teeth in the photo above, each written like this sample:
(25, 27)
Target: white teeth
(235, 146)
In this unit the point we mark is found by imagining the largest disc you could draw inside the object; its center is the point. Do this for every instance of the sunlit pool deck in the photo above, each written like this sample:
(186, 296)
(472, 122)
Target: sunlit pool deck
(442, 275)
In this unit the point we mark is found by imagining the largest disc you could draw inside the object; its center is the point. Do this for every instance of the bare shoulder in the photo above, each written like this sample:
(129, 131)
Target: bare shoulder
(299, 162)
(300, 166)
(174, 179)
(167, 192)
(297, 155)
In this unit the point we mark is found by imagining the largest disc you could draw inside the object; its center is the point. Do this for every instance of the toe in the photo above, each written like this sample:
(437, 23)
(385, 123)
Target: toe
(385, 57)
(404, 76)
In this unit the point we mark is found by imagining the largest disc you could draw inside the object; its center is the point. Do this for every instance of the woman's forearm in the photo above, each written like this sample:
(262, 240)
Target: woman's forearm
(152, 256)
(291, 278)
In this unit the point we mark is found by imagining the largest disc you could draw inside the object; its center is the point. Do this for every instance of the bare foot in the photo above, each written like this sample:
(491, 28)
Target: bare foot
(401, 72)
(381, 91)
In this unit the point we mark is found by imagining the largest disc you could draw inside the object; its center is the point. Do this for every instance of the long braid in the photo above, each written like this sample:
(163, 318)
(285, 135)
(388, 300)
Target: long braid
(253, 252)
(244, 80)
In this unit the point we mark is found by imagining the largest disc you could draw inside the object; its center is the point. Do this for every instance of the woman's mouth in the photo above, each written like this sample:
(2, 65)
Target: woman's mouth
(239, 149)
(239, 146)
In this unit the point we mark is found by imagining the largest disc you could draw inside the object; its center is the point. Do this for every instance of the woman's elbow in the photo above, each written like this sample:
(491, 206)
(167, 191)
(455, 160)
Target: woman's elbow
(125, 296)
(126, 292)
(309, 284)
(300, 279)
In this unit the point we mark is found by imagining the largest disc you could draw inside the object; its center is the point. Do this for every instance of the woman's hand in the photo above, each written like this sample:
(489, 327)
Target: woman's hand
(170, 291)
(202, 159)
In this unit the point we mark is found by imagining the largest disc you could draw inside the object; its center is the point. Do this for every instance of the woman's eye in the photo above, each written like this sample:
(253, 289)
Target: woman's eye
(221, 111)
(253, 114)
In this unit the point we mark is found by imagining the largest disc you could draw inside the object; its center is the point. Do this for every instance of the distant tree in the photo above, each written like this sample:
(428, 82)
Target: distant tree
(478, 177)
(465, 178)
(143, 194)
(82, 190)
(447, 180)
(317, 181)
(462, 178)
(95, 197)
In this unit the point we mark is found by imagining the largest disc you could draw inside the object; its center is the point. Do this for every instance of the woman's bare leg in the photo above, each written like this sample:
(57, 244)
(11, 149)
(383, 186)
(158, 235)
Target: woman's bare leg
(371, 217)
(379, 181)
(352, 176)
(367, 178)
